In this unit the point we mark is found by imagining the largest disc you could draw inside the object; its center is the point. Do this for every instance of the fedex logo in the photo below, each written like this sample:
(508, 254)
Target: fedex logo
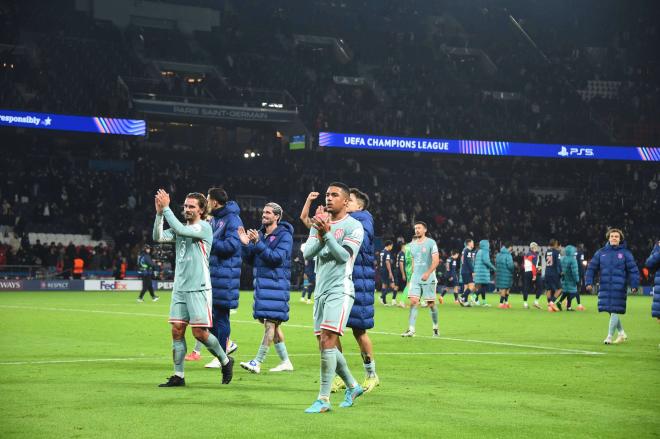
(575, 151)
(112, 285)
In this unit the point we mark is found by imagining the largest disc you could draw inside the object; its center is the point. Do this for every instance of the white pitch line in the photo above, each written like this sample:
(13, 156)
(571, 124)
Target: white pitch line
(103, 360)
(87, 360)
(307, 327)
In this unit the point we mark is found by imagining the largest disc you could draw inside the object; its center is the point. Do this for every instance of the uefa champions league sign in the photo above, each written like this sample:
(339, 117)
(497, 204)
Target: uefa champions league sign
(487, 147)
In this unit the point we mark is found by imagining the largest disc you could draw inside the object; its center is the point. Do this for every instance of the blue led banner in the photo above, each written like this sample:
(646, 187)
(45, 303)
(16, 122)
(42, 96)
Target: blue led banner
(86, 124)
(481, 147)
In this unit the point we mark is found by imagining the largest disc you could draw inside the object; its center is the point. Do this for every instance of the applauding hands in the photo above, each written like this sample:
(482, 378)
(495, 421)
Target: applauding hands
(248, 236)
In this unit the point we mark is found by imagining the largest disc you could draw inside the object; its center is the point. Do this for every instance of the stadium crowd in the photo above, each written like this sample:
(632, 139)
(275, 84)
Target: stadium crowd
(458, 197)
(441, 69)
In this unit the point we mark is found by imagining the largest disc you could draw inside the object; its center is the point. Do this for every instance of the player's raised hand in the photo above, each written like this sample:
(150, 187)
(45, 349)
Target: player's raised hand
(321, 224)
(163, 197)
(243, 236)
(159, 207)
(321, 213)
(312, 196)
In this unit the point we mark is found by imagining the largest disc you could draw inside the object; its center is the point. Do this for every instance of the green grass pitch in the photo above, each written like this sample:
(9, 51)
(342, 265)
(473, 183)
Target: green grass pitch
(87, 365)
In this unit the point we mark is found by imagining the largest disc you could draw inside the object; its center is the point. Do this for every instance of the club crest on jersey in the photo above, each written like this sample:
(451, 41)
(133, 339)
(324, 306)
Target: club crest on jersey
(424, 250)
(221, 224)
(339, 233)
(619, 255)
(271, 239)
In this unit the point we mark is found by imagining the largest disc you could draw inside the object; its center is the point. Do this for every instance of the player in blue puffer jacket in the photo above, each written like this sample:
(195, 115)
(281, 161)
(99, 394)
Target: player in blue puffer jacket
(269, 252)
(653, 263)
(362, 313)
(224, 263)
(617, 269)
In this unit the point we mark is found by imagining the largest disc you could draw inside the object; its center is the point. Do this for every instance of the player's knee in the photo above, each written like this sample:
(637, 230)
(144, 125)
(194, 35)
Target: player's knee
(178, 331)
(328, 340)
(200, 333)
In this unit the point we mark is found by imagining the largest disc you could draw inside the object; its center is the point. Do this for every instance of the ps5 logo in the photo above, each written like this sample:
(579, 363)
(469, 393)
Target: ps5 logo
(573, 151)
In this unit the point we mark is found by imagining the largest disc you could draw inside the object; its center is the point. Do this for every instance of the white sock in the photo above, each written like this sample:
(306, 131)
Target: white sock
(179, 374)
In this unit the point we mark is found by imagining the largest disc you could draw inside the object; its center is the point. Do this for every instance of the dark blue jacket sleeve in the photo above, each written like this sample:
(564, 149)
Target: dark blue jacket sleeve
(653, 261)
(228, 245)
(632, 270)
(247, 252)
(273, 257)
(592, 268)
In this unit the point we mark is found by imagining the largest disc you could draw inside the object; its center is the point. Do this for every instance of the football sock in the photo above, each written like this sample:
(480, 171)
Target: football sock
(619, 326)
(434, 316)
(261, 354)
(501, 299)
(213, 345)
(370, 368)
(413, 317)
(280, 348)
(343, 371)
(614, 324)
(577, 297)
(178, 354)
(328, 369)
(455, 296)
(198, 346)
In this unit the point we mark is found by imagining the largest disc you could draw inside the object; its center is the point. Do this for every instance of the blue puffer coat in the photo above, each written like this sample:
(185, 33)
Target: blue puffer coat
(570, 273)
(653, 263)
(482, 264)
(225, 259)
(362, 314)
(617, 268)
(504, 265)
(271, 259)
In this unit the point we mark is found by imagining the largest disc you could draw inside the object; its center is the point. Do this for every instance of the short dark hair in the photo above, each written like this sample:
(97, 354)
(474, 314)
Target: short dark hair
(388, 242)
(422, 223)
(454, 252)
(218, 194)
(360, 196)
(467, 241)
(201, 202)
(345, 189)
